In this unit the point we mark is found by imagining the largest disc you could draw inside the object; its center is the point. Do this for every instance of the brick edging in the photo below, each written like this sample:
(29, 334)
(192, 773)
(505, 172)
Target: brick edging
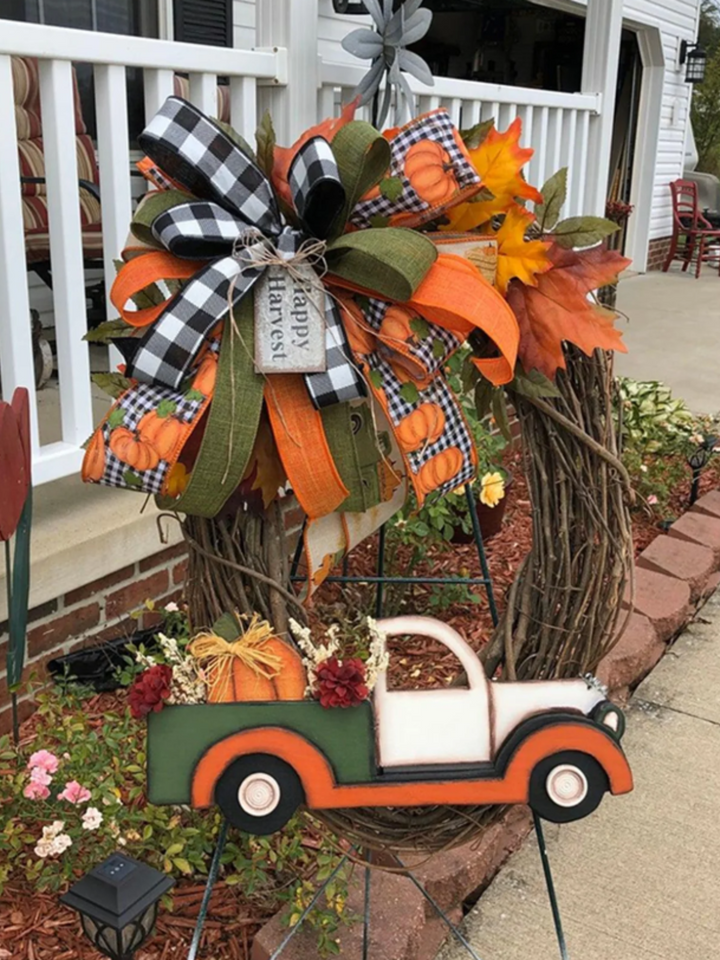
(673, 577)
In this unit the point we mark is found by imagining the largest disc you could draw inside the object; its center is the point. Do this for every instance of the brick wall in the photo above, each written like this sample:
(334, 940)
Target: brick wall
(91, 615)
(657, 252)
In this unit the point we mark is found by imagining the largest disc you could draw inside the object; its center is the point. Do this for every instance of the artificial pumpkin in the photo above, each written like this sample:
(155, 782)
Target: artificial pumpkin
(430, 172)
(424, 425)
(290, 681)
(93, 466)
(164, 433)
(132, 450)
(440, 469)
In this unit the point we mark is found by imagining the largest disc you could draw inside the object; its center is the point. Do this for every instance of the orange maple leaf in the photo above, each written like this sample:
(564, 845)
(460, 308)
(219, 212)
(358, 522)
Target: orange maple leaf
(517, 257)
(558, 309)
(499, 161)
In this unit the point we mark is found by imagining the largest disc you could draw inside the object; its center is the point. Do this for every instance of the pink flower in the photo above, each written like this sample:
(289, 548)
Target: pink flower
(41, 776)
(36, 791)
(74, 793)
(44, 760)
(652, 499)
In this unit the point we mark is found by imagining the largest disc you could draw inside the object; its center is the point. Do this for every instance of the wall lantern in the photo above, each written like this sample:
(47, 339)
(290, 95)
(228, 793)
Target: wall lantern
(694, 59)
(347, 6)
(118, 904)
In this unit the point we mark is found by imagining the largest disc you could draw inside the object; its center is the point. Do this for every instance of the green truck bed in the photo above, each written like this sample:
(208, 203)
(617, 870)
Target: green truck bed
(178, 736)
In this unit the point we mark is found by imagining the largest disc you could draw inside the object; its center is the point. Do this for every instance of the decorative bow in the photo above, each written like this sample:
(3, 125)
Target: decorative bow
(234, 221)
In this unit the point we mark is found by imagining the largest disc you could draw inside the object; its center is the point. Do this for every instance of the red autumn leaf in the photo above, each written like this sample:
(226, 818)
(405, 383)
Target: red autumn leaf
(15, 478)
(558, 309)
(21, 406)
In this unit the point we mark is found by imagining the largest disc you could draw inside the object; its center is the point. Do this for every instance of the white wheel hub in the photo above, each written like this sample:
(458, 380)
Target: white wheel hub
(259, 794)
(566, 785)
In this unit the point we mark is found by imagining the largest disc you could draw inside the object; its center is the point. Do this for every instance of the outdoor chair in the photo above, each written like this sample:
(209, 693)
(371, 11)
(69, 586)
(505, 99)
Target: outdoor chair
(701, 239)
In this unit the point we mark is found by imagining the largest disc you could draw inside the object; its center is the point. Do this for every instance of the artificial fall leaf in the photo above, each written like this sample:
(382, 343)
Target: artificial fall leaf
(517, 257)
(265, 474)
(558, 309)
(499, 161)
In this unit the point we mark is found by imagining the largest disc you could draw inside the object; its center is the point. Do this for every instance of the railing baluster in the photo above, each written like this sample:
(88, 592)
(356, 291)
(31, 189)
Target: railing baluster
(16, 354)
(58, 111)
(203, 92)
(158, 85)
(454, 110)
(580, 161)
(326, 101)
(528, 140)
(558, 159)
(541, 149)
(569, 134)
(243, 106)
(473, 112)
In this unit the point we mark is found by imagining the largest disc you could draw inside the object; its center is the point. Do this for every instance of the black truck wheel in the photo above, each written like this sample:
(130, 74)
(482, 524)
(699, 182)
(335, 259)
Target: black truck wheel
(259, 793)
(567, 786)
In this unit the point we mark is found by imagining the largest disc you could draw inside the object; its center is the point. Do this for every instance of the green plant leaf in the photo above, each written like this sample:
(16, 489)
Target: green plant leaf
(499, 409)
(391, 188)
(376, 379)
(474, 136)
(116, 418)
(182, 865)
(18, 612)
(484, 391)
(265, 142)
(409, 392)
(108, 331)
(534, 385)
(554, 193)
(114, 384)
(166, 408)
(420, 327)
(583, 231)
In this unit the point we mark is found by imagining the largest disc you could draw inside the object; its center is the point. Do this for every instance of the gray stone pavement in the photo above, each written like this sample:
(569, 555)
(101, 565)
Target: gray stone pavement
(672, 333)
(640, 878)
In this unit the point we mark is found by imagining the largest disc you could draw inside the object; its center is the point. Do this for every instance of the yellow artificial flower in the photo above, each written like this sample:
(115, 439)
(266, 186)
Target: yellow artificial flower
(177, 480)
(492, 489)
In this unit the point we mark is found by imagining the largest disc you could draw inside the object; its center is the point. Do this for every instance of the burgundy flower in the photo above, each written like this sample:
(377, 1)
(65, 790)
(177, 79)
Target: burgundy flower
(150, 691)
(341, 683)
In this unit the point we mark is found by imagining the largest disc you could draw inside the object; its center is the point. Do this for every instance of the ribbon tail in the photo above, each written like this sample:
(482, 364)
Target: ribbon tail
(341, 380)
(166, 352)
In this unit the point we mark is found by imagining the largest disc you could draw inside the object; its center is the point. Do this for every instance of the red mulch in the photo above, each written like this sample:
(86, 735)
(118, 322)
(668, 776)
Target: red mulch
(34, 926)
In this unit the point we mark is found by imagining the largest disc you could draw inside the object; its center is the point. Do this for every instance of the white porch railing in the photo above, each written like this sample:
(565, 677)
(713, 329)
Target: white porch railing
(556, 125)
(110, 55)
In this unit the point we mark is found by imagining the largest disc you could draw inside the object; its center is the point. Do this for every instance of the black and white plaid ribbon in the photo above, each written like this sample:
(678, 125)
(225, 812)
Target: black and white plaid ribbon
(235, 214)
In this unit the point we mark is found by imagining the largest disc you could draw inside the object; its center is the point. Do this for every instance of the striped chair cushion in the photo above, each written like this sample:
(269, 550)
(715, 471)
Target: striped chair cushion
(182, 89)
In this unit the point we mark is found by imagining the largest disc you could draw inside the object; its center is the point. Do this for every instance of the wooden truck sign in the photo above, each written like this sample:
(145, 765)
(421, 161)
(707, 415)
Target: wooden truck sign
(553, 744)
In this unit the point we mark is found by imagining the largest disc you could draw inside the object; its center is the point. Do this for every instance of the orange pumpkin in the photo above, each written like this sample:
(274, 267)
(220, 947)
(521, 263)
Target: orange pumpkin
(136, 453)
(163, 433)
(291, 680)
(204, 380)
(396, 324)
(431, 175)
(440, 469)
(423, 425)
(241, 683)
(93, 466)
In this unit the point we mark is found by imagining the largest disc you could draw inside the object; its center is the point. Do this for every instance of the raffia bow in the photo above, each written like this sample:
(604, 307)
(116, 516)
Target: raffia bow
(216, 655)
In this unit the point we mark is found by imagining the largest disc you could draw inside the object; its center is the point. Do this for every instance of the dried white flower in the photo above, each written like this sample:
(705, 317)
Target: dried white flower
(171, 607)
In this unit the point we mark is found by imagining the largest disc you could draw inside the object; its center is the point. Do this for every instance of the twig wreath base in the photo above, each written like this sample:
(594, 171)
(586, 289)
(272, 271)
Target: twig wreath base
(563, 611)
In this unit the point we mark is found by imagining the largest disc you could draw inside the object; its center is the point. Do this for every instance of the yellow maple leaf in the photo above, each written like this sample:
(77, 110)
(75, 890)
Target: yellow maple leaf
(518, 257)
(499, 161)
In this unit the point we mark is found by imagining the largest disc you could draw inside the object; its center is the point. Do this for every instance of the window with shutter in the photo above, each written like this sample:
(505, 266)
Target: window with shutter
(204, 21)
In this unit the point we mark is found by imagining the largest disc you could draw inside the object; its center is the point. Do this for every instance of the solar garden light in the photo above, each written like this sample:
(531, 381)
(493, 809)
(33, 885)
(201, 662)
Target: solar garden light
(118, 904)
(694, 59)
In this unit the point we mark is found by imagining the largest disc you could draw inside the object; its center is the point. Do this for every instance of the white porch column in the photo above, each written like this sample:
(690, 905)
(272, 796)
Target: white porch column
(600, 70)
(292, 24)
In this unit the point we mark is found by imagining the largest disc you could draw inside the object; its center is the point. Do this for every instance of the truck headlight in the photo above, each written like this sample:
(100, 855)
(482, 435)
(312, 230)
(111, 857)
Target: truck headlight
(611, 717)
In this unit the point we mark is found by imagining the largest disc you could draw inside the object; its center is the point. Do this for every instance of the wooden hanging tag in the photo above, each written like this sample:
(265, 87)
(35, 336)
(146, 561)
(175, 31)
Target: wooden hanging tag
(290, 321)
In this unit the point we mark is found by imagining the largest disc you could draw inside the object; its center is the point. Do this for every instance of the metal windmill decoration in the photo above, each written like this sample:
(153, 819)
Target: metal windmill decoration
(386, 48)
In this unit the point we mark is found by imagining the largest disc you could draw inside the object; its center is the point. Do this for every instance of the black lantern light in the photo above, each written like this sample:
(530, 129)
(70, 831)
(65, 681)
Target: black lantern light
(697, 461)
(347, 6)
(694, 59)
(118, 904)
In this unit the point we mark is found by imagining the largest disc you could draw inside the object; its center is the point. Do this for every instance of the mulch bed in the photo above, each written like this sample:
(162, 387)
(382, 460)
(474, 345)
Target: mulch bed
(33, 926)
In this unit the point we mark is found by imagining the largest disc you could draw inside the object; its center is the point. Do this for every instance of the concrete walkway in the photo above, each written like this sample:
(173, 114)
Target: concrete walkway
(640, 878)
(673, 333)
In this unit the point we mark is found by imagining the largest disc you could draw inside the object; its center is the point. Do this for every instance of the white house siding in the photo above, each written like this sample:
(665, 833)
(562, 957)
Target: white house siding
(244, 24)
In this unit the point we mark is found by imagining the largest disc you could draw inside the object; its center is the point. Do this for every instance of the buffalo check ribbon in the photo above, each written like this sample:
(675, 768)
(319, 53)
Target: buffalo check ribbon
(230, 219)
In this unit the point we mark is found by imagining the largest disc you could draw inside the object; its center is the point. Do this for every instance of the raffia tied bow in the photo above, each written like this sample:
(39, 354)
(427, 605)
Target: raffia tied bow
(217, 655)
